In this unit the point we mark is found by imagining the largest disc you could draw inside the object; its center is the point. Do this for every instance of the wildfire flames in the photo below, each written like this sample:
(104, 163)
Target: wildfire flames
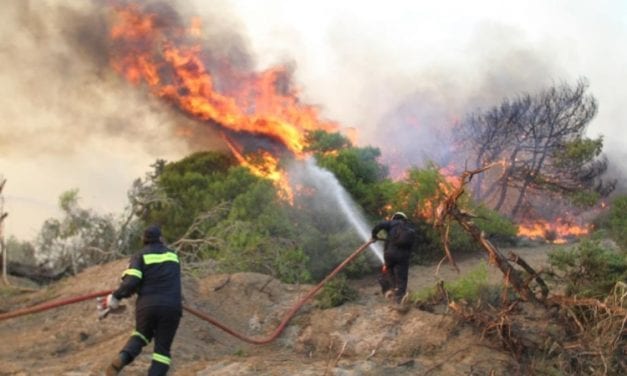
(556, 232)
(147, 49)
(152, 49)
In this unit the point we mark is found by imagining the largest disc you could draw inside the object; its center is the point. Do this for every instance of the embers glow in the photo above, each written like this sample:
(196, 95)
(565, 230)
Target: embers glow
(266, 165)
(556, 232)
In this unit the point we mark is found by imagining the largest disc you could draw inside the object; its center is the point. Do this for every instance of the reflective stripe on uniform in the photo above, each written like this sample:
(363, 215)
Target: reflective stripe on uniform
(157, 258)
(161, 358)
(138, 334)
(134, 272)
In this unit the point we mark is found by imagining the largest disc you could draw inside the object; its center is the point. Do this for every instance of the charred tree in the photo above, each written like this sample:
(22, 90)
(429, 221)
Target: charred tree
(541, 145)
(490, 135)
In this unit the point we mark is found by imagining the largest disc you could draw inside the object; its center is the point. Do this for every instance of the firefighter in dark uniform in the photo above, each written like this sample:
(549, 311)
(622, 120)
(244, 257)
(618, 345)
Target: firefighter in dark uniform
(155, 275)
(396, 253)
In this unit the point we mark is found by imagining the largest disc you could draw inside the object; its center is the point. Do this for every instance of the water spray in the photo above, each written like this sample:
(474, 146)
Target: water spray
(324, 181)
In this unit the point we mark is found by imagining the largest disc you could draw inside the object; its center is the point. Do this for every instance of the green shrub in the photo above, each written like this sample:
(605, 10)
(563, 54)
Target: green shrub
(497, 228)
(471, 287)
(589, 269)
(336, 292)
(617, 221)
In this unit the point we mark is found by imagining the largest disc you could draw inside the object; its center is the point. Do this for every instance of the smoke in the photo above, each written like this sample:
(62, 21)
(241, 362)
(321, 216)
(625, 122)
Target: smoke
(421, 108)
(68, 121)
(54, 65)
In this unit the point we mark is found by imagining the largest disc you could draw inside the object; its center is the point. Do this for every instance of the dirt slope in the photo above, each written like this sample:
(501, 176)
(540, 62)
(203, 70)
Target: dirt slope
(364, 337)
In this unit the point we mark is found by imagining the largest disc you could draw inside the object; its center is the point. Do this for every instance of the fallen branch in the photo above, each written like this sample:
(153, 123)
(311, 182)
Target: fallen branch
(448, 209)
(543, 287)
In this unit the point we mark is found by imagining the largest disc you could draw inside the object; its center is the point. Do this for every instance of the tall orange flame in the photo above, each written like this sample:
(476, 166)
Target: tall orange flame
(169, 62)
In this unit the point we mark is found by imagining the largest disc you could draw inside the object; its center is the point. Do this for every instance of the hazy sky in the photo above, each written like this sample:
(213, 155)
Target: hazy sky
(67, 122)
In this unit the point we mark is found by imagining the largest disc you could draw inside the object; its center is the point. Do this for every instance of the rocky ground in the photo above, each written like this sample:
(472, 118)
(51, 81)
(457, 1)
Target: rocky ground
(363, 337)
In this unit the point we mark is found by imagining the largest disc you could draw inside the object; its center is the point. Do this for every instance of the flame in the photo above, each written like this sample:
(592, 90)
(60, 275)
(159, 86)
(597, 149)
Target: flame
(177, 73)
(430, 204)
(267, 166)
(556, 232)
(169, 61)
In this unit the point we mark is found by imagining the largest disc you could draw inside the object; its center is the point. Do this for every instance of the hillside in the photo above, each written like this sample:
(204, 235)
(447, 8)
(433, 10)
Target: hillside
(358, 338)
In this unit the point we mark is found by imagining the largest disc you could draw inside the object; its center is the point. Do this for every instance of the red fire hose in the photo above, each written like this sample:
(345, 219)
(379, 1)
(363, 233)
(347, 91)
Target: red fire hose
(53, 304)
(201, 315)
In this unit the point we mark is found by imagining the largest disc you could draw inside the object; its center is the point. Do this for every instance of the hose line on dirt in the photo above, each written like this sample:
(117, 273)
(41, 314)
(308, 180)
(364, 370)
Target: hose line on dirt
(291, 312)
(274, 335)
(52, 304)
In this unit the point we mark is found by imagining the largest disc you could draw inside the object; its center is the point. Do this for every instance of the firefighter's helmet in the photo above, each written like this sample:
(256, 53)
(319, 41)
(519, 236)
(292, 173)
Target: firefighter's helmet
(399, 215)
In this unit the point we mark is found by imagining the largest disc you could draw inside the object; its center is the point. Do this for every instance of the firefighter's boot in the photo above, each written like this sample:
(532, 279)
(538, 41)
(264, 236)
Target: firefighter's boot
(118, 363)
(389, 295)
(402, 305)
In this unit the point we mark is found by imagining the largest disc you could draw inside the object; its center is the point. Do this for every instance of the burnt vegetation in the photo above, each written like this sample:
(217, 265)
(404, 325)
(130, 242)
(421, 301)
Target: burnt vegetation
(539, 141)
(579, 329)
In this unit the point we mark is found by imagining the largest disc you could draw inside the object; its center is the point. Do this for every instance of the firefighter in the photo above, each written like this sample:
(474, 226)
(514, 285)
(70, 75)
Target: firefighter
(399, 240)
(154, 274)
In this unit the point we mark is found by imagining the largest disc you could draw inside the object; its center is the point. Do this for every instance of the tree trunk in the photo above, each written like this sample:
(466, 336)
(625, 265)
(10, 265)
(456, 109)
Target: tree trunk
(537, 167)
(505, 179)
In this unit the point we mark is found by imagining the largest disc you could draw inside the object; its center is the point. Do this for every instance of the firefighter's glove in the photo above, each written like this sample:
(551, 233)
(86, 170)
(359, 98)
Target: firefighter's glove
(108, 305)
(101, 307)
(112, 302)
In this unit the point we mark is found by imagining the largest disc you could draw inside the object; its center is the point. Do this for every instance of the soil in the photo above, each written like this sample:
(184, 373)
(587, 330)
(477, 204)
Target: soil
(364, 337)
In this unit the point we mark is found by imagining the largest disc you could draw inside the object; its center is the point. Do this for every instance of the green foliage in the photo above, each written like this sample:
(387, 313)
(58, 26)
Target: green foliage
(254, 232)
(323, 142)
(617, 221)
(497, 227)
(459, 241)
(194, 185)
(470, 287)
(359, 172)
(589, 269)
(336, 292)
(419, 194)
(578, 152)
(20, 251)
(419, 191)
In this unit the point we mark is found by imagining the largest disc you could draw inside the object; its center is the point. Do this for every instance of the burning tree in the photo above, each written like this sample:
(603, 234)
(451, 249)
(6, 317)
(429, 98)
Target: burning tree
(540, 143)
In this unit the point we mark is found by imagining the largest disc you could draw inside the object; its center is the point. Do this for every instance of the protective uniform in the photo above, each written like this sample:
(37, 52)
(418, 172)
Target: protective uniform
(155, 275)
(396, 255)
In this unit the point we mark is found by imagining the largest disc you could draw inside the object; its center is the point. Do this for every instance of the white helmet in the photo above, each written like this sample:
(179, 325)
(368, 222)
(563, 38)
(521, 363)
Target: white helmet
(399, 215)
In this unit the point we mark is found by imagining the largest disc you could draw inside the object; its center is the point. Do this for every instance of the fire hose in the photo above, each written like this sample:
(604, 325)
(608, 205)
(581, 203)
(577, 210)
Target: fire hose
(290, 314)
